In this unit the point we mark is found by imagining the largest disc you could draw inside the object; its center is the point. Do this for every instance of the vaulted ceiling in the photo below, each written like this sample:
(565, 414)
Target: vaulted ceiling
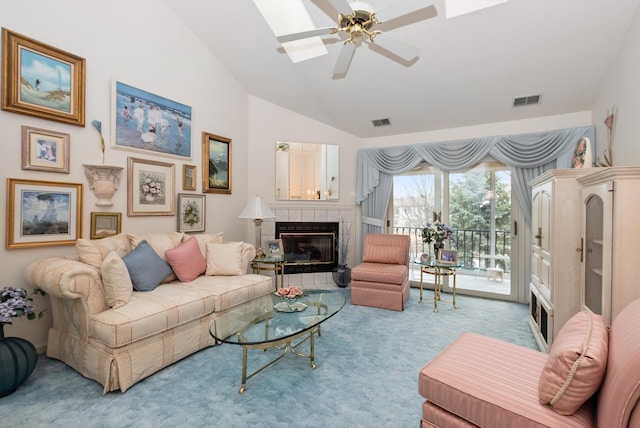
(469, 70)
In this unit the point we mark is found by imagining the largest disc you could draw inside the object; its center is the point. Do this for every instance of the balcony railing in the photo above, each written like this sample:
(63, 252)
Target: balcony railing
(473, 246)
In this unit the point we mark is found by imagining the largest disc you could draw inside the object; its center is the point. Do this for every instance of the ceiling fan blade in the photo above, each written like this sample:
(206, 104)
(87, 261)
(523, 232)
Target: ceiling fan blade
(342, 6)
(304, 34)
(396, 47)
(344, 59)
(404, 7)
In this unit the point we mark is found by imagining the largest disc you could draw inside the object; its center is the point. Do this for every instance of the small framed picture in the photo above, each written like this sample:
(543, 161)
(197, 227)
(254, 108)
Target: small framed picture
(274, 247)
(105, 224)
(191, 212)
(448, 257)
(42, 213)
(188, 177)
(150, 188)
(45, 150)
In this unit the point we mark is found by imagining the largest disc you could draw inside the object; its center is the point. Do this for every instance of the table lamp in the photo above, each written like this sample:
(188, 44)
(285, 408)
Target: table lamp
(257, 209)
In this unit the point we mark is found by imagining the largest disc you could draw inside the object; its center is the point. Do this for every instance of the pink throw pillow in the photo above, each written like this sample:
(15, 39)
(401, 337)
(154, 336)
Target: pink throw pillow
(576, 364)
(186, 260)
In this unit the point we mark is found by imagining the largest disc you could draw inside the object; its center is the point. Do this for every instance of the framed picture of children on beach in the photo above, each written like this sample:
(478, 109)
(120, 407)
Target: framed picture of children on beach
(149, 123)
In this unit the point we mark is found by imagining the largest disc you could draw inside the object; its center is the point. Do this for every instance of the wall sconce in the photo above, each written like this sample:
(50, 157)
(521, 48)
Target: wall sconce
(104, 180)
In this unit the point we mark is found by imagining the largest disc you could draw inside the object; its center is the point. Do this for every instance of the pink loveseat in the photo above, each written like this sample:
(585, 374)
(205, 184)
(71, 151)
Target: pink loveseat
(483, 382)
(382, 279)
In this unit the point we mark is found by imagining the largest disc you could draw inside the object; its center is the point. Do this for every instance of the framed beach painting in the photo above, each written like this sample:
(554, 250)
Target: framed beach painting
(146, 122)
(191, 212)
(44, 150)
(216, 164)
(41, 80)
(151, 187)
(42, 213)
(105, 224)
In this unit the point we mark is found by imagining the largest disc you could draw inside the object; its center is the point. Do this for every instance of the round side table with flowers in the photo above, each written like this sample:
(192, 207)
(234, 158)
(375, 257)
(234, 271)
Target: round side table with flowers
(18, 357)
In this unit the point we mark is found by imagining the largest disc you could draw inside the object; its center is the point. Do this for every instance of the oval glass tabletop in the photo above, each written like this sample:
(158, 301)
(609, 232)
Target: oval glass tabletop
(273, 319)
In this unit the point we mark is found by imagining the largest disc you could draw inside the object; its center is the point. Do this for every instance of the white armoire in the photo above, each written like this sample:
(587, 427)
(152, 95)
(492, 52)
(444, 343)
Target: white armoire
(556, 220)
(611, 230)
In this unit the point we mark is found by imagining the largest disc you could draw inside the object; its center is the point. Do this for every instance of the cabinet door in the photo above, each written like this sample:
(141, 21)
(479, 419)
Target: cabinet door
(593, 283)
(540, 244)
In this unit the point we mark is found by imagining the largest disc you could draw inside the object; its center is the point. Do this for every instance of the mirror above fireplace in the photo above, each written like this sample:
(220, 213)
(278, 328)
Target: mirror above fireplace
(306, 171)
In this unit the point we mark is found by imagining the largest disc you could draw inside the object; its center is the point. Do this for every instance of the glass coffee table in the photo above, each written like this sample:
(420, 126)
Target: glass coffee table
(273, 322)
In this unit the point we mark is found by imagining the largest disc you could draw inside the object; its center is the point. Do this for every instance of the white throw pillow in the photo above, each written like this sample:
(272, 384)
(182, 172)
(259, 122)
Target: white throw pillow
(224, 259)
(118, 288)
(203, 239)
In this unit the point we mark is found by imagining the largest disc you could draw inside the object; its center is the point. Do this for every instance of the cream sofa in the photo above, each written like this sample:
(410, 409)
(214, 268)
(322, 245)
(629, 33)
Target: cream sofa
(118, 336)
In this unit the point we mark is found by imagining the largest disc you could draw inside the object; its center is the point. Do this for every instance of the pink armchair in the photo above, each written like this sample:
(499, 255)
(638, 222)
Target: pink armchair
(382, 279)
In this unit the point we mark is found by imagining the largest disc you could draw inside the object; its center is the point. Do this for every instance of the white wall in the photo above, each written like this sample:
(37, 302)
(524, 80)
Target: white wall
(143, 44)
(620, 91)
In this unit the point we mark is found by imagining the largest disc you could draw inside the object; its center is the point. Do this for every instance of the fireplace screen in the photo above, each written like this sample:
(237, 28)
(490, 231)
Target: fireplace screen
(310, 250)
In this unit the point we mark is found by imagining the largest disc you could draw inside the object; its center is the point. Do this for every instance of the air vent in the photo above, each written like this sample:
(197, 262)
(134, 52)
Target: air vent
(381, 122)
(526, 101)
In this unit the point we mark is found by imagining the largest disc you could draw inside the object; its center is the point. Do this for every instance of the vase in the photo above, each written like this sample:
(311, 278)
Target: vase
(437, 246)
(18, 358)
(342, 275)
(104, 181)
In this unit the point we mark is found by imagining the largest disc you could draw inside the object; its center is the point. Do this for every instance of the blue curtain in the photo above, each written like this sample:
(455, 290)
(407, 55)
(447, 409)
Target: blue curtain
(527, 155)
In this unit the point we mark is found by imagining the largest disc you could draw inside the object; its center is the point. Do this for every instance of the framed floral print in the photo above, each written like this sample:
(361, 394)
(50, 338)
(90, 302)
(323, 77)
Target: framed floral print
(216, 164)
(41, 80)
(191, 212)
(43, 213)
(188, 177)
(45, 150)
(151, 187)
(105, 224)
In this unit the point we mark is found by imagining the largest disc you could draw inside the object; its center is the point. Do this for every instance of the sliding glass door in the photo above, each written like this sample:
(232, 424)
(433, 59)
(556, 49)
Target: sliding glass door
(475, 202)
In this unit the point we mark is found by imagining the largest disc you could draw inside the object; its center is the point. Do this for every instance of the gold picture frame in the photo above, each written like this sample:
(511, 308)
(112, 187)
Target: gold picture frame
(151, 187)
(105, 224)
(188, 177)
(216, 164)
(37, 95)
(42, 213)
(44, 150)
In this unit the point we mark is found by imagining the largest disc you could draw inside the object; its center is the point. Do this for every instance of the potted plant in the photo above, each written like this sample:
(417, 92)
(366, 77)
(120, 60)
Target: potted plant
(437, 233)
(342, 273)
(18, 356)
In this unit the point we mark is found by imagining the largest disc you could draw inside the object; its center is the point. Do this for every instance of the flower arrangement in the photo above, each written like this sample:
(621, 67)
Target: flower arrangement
(14, 302)
(151, 187)
(98, 125)
(191, 214)
(290, 292)
(436, 232)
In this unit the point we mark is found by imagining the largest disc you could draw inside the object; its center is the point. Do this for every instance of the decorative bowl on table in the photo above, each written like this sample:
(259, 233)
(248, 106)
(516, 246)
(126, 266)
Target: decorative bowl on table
(289, 296)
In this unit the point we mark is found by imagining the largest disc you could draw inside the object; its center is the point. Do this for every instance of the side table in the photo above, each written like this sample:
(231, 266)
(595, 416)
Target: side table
(438, 270)
(272, 264)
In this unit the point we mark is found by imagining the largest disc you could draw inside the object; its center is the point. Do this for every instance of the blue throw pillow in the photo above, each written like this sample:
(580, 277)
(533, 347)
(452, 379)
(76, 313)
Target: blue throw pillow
(145, 267)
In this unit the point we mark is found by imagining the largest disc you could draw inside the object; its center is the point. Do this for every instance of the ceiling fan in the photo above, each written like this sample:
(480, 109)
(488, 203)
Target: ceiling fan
(358, 20)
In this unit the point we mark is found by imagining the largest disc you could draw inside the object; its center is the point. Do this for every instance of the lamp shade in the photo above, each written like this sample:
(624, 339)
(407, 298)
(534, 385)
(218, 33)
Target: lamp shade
(256, 208)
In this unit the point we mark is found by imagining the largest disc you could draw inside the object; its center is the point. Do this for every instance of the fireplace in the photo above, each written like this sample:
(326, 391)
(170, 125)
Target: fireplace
(309, 246)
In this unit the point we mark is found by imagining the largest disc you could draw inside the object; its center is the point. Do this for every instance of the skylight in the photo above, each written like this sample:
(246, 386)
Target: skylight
(290, 16)
(455, 8)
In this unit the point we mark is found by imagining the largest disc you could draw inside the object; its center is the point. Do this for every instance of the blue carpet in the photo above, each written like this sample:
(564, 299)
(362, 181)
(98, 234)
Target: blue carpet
(368, 362)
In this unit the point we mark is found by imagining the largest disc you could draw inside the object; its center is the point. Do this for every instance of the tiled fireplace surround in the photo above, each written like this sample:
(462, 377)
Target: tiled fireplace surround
(296, 213)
